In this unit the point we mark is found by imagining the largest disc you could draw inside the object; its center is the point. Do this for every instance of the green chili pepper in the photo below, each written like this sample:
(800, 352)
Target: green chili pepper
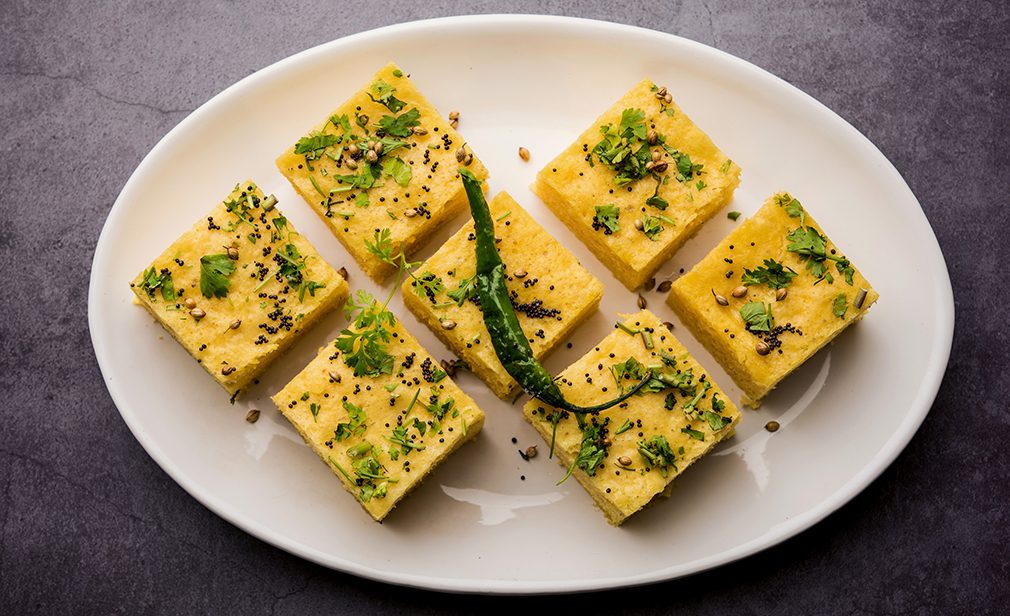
(507, 336)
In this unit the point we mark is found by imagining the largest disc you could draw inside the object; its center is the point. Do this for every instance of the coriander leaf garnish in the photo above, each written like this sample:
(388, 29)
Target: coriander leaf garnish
(363, 179)
(364, 346)
(772, 273)
(355, 424)
(154, 280)
(382, 246)
(629, 370)
(655, 200)
(813, 248)
(627, 425)
(400, 437)
(715, 421)
(624, 149)
(438, 407)
(734, 215)
(686, 168)
(214, 273)
(652, 226)
(389, 145)
(292, 266)
(592, 450)
(397, 169)
(656, 453)
(371, 478)
(428, 285)
(757, 316)
(792, 206)
(465, 289)
(384, 96)
(691, 406)
(662, 378)
(401, 125)
(606, 218)
(314, 144)
(695, 434)
(839, 306)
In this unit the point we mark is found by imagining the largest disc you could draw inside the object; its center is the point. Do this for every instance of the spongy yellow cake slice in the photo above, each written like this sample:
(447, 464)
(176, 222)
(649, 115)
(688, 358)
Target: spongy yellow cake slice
(551, 291)
(380, 435)
(627, 455)
(384, 162)
(239, 287)
(770, 295)
(640, 181)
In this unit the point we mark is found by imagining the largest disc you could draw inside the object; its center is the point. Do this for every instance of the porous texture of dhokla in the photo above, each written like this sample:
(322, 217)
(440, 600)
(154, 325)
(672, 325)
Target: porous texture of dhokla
(403, 187)
(551, 291)
(627, 455)
(638, 183)
(770, 295)
(380, 435)
(239, 287)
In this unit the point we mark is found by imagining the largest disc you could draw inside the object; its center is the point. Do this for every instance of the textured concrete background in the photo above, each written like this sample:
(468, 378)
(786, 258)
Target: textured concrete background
(92, 525)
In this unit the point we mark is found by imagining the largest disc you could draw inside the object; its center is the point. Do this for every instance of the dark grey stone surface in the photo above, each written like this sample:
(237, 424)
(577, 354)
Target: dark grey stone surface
(92, 525)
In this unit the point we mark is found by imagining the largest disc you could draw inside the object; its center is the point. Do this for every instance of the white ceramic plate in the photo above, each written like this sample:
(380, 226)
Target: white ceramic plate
(475, 525)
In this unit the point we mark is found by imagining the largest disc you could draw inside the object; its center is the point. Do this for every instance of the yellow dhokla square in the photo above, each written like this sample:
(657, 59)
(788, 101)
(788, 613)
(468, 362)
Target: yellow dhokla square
(626, 455)
(551, 291)
(381, 435)
(638, 183)
(384, 162)
(239, 287)
(770, 295)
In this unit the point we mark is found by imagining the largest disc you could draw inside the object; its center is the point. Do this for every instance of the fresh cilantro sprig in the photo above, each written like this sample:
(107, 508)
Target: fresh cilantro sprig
(840, 306)
(624, 148)
(292, 269)
(154, 280)
(465, 289)
(401, 125)
(716, 421)
(355, 425)
(214, 273)
(592, 449)
(812, 247)
(757, 316)
(364, 345)
(400, 437)
(772, 273)
(607, 218)
(384, 96)
(428, 285)
(691, 406)
(652, 226)
(656, 452)
(792, 206)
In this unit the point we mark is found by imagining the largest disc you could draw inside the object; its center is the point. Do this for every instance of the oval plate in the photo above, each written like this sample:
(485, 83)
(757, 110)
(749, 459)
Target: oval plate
(476, 525)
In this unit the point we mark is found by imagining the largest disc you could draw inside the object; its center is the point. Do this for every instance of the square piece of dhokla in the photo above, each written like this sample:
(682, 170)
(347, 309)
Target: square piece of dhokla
(551, 291)
(384, 161)
(239, 287)
(638, 183)
(628, 454)
(770, 295)
(381, 435)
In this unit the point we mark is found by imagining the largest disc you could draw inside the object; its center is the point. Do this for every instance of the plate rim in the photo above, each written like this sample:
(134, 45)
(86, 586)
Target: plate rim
(919, 407)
